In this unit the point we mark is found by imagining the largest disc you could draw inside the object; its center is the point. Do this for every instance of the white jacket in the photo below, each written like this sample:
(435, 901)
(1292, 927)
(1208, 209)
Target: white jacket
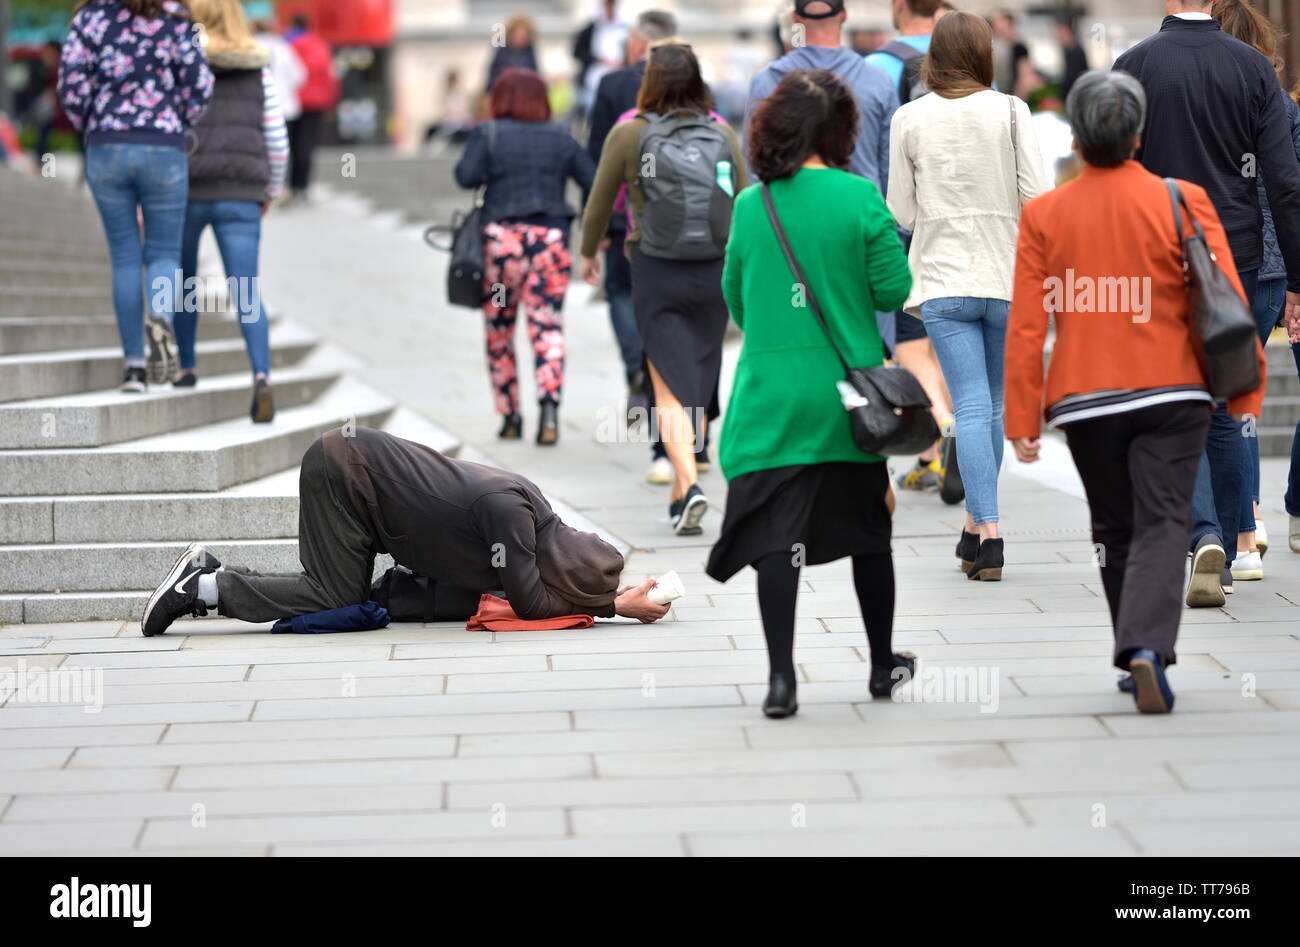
(953, 182)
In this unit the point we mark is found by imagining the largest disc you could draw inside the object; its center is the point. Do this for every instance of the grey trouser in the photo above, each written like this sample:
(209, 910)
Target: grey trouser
(337, 555)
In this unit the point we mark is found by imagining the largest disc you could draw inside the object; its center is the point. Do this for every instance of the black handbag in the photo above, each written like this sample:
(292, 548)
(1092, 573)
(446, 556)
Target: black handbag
(406, 596)
(888, 409)
(468, 257)
(1225, 329)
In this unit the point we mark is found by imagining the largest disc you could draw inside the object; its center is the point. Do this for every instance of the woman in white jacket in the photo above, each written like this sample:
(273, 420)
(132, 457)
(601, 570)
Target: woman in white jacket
(962, 162)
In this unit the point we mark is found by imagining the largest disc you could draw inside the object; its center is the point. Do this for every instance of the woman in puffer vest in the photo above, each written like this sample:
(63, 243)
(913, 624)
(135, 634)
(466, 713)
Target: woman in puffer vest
(237, 157)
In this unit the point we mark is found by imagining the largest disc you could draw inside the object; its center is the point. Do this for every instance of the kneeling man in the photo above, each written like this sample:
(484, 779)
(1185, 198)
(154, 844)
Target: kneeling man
(466, 526)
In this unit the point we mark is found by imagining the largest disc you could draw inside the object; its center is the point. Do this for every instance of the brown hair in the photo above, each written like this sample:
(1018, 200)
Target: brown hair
(923, 8)
(960, 60)
(809, 113)
(149, 9)
(521, 94)
(673, 82)
(1242, 21)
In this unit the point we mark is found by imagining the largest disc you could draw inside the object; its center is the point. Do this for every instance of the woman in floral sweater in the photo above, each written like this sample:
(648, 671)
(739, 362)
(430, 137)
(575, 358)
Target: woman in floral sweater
(133, 79)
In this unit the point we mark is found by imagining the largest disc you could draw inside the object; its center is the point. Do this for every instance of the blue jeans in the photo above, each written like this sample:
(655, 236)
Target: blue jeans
(155, 179)
(1270, 294)
(238, 229)
(969, 335)
(1217, 504)
(618, 289)
(1292, 498)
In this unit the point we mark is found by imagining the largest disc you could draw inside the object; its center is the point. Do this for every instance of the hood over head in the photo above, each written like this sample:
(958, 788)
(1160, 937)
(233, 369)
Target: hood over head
(579, 567)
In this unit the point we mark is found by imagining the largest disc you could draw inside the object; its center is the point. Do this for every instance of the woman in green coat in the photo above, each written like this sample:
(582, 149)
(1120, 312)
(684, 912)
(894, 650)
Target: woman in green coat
(800, 492)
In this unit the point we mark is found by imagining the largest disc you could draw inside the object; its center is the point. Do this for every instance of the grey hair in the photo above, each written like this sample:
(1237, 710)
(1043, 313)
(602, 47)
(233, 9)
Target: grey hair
(1106, 111)
(656, 25)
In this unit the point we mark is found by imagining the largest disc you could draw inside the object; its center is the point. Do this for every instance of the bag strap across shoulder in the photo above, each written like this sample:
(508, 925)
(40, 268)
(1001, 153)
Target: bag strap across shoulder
(1015, 151)
(1177, 199)
(798, 272)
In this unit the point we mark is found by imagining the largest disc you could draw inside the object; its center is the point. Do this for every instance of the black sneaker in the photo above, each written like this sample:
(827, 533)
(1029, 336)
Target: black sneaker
(134, 381)
(179, 593)
(951, 490)
(687, 512)
(263, 409)
(162, 349)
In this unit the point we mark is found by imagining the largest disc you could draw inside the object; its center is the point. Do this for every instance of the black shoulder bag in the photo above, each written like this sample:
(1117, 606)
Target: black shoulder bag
(1224, 327)
(888, 409)
(468, 258)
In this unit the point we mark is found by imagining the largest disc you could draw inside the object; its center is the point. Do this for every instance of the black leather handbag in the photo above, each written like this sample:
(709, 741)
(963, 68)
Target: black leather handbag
(463, 238)
(406, 596)
(888, 409)
(1225, 328)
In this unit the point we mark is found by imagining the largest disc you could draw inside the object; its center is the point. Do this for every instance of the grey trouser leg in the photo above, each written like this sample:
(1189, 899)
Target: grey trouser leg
(336, 552)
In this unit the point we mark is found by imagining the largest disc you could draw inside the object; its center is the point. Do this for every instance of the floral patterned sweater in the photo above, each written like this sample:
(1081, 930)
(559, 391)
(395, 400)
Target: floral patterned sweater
(131, 79)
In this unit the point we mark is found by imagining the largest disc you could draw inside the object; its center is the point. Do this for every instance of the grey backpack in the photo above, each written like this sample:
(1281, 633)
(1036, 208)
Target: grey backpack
(688, 181)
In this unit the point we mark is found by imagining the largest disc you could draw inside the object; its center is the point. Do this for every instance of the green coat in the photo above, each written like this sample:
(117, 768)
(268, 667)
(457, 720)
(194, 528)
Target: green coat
(785, 408)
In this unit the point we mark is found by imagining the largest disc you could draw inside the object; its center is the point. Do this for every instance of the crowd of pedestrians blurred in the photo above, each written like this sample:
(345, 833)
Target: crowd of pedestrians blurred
(905, 180)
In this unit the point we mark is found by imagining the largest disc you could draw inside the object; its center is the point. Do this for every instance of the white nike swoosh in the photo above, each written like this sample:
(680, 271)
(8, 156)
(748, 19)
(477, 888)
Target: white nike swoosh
(179, 587)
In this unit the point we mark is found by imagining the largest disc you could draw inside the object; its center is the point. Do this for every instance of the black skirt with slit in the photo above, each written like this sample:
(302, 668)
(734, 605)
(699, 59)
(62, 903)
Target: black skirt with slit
(820, 512)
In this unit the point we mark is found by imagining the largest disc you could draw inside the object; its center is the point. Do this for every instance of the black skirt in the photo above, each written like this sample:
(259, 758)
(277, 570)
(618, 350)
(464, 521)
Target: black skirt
(820, 512)
(682, 318)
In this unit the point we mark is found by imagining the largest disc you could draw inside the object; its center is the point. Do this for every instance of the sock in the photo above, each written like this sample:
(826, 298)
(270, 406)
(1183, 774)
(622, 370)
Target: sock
(873, 580)
(208, 589)
(137, 362)
(778, 585)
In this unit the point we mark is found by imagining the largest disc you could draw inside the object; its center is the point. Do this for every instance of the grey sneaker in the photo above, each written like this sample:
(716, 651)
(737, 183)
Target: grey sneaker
(1205, 589)
(1293, 536)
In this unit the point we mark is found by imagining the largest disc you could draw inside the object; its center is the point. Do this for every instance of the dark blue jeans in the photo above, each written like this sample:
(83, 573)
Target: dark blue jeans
(237, 226)
(1221, 480)
(618, 289)
(155, 179)
(1292, 498)
(1270, 294)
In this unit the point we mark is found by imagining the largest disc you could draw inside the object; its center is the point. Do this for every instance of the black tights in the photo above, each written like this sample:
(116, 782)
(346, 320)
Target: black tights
(778, 586)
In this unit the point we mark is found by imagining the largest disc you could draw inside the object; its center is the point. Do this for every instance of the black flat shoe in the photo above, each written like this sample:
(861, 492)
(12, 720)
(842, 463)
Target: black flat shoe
(512, 427)
(968, 548)
(780, 700)
(548, 429)
(185, 379)
(987, 566)
(885, 679)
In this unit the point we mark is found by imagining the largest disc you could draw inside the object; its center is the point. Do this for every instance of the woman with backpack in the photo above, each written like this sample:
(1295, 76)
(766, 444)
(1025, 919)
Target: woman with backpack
(523, 161)
(132, 81)
(962, 162)
(675, 249)
(800, 492)
(237, 162)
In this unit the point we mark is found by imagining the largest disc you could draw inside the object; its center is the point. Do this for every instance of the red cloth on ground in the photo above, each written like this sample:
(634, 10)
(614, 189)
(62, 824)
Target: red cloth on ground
(495, 614)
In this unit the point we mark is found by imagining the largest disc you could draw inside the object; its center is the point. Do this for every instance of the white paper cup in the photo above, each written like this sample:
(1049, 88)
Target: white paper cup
(666, 588)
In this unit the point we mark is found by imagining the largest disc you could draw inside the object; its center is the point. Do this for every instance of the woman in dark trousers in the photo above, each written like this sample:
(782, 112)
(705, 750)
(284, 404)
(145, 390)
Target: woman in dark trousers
(525, 160)
(799, 490)
(678, 303)
(1124, 381)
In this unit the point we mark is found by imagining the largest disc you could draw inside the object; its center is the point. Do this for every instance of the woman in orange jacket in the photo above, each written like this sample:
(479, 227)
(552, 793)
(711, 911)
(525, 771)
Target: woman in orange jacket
(1101, 257)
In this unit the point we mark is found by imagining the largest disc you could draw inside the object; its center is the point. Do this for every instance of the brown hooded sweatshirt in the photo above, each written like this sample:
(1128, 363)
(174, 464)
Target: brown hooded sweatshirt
(473, 526)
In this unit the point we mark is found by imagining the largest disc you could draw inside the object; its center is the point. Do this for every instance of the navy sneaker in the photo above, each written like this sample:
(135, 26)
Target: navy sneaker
(179, 593)
(1151, 691)
(687, 512)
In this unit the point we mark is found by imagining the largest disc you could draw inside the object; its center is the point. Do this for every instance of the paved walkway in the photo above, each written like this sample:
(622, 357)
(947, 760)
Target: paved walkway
(220, 738)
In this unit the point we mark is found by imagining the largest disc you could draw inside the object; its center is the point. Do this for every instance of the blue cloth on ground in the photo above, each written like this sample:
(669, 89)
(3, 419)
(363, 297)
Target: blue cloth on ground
(364, 617)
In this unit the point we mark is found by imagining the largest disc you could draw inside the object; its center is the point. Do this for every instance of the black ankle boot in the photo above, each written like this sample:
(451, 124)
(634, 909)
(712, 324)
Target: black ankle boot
(512, 427)
(968, 548)
(885, 678)
(548, 429)
(780, 700)
(987, 566)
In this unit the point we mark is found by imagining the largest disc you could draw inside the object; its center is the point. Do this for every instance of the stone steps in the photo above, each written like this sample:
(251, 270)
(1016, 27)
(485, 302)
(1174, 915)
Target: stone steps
(71, 300)
(105, 417)
(49, 333)
(79, 371)
(207, 458)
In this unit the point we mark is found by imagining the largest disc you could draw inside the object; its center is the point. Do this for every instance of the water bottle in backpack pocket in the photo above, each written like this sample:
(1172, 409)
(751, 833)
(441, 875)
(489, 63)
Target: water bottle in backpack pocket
(688, 181)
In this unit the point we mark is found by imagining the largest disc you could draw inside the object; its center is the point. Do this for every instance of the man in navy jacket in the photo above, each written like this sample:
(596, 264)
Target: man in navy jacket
(1216, 117)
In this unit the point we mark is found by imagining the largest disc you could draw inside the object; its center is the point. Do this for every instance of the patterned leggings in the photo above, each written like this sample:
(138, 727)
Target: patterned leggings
(528, 264)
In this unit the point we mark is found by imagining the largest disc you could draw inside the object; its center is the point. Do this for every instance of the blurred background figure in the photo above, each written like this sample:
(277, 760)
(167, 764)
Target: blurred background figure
(286, 67)
(457, 118)
(39, 105)
(1076, 60)
(1013, 71)
(598, 48)
(318, 93)
(865, 42)
(744, 58)
(518, 52)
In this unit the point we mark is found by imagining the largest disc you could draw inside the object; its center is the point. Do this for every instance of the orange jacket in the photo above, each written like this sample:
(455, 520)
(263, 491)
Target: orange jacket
(1104, 243)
